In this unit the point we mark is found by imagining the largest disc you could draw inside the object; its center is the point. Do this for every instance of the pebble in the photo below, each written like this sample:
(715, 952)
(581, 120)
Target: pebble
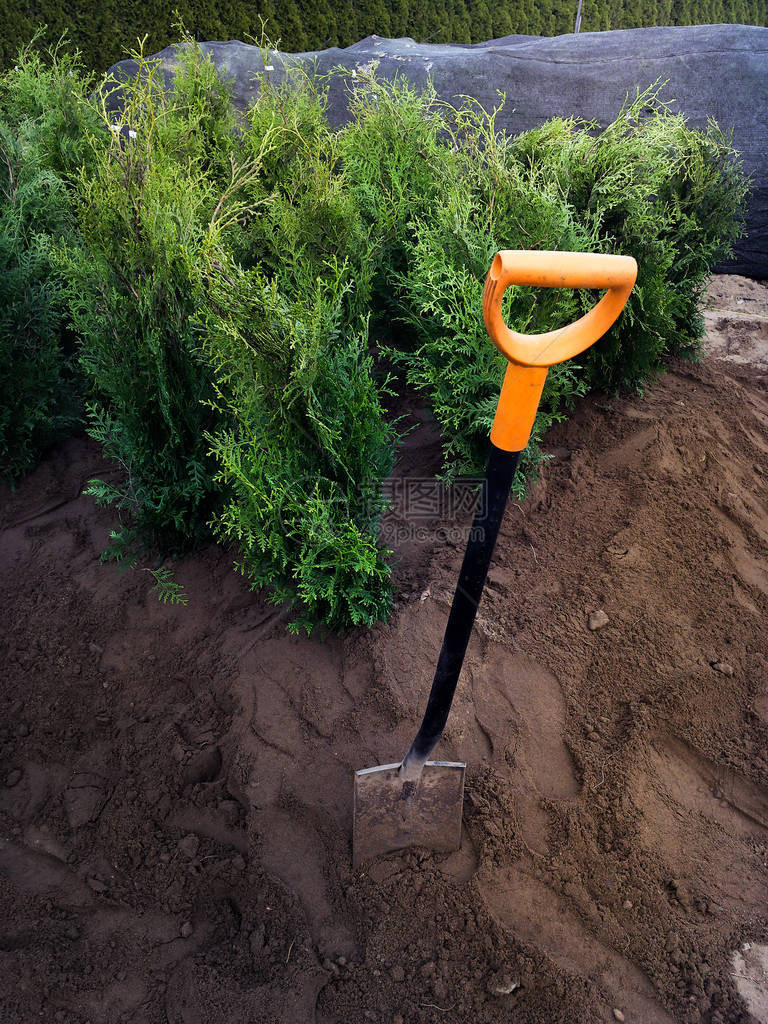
(723, 667)
(186, 930)
(597, 620)
(618, 1014)
(238, 863)
(503, 984)
(13, 778)
(97, 885)
(398, 1019)
(627, 904)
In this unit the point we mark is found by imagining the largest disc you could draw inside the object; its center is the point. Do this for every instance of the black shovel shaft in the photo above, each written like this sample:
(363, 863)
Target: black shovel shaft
(499, 474)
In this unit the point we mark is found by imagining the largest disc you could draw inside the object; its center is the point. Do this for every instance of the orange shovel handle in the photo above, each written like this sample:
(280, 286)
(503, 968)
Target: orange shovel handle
(531, 355)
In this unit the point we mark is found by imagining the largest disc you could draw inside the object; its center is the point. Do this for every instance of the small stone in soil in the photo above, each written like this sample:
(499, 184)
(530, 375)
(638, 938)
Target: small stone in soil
(502, 984)
(186, 930)
(618, 1014)
(13, 778)
(597, 620)
(627, 904)
(723, 667)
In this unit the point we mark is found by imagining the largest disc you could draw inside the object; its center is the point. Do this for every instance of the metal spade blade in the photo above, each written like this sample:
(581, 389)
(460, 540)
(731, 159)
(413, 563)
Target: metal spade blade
(391, 814)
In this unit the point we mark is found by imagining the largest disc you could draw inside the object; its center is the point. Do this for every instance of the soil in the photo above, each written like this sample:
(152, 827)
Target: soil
(176, 782)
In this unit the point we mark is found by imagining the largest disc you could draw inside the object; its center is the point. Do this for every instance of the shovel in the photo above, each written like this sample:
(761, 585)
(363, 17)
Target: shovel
(418, 802)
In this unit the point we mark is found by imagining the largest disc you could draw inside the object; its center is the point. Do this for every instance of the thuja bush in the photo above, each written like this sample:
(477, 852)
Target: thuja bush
(232, 381)
(46, 95)
(45, 123)
(484, 201)
(147, 209)
(395, 158)
(309, 221)
(648, 186)
(36, 378)
(306, 446)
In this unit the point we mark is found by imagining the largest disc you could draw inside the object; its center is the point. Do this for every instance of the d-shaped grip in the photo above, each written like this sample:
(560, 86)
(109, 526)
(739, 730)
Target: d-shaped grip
(530, 355)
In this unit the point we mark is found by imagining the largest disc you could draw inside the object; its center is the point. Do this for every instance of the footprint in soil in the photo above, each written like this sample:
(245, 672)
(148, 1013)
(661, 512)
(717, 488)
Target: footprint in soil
(292, 854)
(195, 996)
(520, 709)
(535, 914)
(703, 820)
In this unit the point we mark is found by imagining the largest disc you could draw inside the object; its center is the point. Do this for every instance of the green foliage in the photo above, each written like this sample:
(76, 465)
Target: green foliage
(167, 590)
(482, 202)
(47, 92)
(394, 160)
(645, 185)
(147, 208)
(650, 187)
(42, 132)
(307, 448)
(308, 216)
(220, 276)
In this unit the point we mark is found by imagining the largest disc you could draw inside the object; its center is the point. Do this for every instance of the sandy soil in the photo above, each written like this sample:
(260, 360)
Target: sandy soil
(175, 795)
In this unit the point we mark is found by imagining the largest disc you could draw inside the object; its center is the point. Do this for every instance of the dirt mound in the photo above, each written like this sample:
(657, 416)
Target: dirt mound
(175, 804)
(736, 318)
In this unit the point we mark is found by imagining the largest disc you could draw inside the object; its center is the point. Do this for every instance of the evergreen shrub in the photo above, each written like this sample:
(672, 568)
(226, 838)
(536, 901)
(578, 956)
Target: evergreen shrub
(648, 186)
(44, 127)
(645, 185)
(148, 208)
(306, 447)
